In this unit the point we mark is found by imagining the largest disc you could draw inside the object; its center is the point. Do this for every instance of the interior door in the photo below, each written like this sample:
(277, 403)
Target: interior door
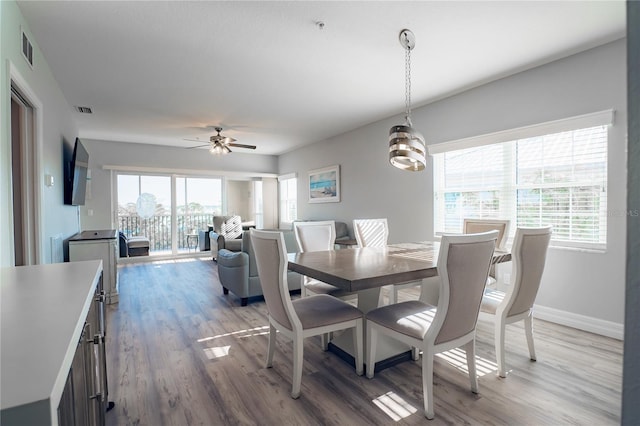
(25, 241)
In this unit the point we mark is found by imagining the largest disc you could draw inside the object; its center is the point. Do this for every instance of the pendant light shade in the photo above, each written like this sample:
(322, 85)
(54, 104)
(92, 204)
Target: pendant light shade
(407, 149)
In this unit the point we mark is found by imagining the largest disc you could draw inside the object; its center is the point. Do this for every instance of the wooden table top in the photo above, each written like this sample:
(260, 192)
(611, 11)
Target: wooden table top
(369, 267)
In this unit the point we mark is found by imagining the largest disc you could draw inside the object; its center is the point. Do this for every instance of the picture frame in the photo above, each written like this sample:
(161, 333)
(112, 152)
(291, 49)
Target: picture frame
(324, 185)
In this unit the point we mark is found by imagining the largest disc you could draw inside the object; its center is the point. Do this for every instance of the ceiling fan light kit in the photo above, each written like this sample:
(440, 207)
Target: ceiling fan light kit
(219, 145)
(407, 149)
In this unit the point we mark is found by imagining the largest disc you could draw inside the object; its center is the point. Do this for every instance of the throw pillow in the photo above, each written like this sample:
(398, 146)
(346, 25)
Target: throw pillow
(232, 228)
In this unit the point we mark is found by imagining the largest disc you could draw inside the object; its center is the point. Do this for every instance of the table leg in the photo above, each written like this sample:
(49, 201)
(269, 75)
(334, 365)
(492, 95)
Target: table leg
(389, 351)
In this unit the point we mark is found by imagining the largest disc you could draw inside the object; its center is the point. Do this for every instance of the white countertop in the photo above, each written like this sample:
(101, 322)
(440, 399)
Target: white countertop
(42, 313)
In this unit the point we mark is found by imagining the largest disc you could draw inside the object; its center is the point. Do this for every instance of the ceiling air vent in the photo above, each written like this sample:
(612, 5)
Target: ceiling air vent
(27, 49)
(83, 110)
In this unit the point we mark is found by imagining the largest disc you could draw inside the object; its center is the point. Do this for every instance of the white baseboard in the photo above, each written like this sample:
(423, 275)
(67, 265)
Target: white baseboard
(581, 322)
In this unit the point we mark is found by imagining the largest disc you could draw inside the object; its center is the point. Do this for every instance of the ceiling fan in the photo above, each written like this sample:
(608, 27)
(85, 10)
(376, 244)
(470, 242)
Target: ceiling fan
(219, 144)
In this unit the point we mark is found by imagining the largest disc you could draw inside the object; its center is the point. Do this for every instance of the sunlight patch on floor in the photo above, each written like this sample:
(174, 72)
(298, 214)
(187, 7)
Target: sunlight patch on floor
(217, 352)
(394, 406)
(165, 261)
(263, 333)
(256, 331)
(458, 358)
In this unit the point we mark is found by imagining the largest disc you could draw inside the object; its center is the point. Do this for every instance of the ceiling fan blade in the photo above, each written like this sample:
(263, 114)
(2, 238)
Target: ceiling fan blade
(199, 146)
(239, 145)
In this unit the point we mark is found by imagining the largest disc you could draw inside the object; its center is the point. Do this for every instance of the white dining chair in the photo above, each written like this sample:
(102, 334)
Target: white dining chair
(301, 318)
(318, 236)
(375, 233)
(474, 226)
(463, 265)
(528, 258)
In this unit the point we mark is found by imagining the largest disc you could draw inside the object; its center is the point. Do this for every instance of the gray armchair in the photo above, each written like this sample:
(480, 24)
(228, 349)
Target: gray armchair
(239, 274)
(226, 234)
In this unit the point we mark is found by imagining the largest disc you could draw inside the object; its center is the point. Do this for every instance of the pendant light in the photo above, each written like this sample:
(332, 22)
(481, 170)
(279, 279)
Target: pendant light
(407, 150)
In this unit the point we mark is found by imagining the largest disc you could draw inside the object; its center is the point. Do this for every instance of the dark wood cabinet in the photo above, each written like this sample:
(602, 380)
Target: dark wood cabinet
(85, 396)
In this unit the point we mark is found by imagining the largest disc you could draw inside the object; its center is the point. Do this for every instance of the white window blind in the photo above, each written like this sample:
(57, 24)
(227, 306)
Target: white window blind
(558, 179)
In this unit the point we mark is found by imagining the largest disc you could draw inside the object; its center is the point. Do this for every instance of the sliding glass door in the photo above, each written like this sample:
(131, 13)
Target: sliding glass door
(197, 201)
(144, 209)
(169, 210)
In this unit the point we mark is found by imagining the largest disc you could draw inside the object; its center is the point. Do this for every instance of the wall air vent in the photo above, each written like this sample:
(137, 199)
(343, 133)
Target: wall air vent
(83, 110)
(27, 49)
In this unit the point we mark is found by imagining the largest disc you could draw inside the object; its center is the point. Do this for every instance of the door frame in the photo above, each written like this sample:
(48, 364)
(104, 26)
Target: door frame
(33, 171)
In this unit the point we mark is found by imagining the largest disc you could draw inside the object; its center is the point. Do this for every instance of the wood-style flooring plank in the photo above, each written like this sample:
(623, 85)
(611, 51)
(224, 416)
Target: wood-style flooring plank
(179, 352)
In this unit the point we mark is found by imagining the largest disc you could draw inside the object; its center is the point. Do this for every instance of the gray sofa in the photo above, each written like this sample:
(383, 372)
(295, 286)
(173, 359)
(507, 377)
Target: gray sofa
(238, 272)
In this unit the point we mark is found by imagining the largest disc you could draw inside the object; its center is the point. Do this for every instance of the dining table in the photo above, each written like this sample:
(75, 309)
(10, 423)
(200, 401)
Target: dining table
(364, 271)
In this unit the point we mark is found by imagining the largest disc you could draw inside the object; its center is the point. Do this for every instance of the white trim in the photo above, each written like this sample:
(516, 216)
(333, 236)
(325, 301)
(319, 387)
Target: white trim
(581, 322)
(38, 174)
(287, 176)
(188, 172)
(600, 118)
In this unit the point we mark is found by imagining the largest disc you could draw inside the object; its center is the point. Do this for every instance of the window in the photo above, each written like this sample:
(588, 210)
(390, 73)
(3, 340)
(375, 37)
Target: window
(288, 193)
(558, 179)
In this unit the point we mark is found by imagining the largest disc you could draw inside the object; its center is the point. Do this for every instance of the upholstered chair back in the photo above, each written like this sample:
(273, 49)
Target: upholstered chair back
(315, 236)
(475, 226)
(271, 261)
(463, 265)
(371, 232)
(529, 257)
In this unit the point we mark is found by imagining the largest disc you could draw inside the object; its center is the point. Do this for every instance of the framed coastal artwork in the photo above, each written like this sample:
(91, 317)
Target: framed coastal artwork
(324, 185)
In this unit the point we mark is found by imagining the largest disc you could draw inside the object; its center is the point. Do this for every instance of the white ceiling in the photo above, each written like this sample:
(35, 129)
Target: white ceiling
(159, 72)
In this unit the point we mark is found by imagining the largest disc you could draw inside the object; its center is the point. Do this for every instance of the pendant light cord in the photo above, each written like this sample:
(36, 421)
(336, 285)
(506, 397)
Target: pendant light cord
(407, 86)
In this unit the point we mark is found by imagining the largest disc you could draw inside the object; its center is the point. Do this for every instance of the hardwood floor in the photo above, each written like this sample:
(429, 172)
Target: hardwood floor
(182, 353)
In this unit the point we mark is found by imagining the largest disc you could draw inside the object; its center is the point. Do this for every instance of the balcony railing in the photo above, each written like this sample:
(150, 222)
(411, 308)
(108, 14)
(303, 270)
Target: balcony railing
(158, 229)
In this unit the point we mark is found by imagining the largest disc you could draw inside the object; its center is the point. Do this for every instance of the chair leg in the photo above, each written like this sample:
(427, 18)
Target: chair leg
(528, 329)
(244, 301)
(225, 290)
(372, 341)
(499, 343)
(298, 348)
(358, 338)
(427, 382)
(470, 349)
(272, 346)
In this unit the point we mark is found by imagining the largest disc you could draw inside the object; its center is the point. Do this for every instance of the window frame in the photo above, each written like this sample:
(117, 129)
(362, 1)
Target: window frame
(602, 118)
(283, 222)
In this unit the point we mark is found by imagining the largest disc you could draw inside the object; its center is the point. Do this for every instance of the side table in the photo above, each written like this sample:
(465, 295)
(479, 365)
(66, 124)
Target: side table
(194, 238)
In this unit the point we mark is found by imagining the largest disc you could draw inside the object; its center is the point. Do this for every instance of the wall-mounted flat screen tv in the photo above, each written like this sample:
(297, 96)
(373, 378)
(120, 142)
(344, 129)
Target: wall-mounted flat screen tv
(76, 187)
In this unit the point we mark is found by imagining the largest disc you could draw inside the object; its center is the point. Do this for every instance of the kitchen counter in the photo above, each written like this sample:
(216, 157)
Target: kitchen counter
(42, 314)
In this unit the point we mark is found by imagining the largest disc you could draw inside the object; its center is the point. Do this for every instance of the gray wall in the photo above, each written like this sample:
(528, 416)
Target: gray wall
(579, 288)
(57, 138)
(140, 156)
(239, 198)
(631, 380)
